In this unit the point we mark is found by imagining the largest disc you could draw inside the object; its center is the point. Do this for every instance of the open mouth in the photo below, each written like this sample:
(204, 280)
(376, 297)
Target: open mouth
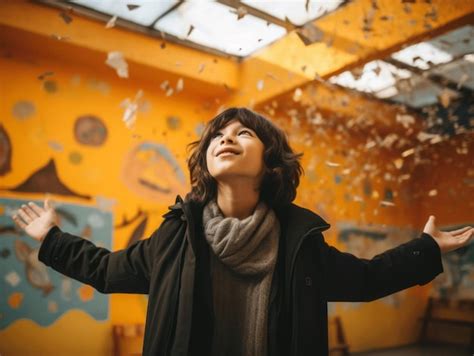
(227, 153)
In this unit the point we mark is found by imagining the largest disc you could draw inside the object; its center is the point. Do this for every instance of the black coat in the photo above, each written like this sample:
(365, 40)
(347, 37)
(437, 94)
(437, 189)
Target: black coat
(172, 266)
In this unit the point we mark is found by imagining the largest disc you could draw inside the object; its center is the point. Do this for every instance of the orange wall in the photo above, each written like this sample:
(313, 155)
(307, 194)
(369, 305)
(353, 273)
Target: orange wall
(334, 192)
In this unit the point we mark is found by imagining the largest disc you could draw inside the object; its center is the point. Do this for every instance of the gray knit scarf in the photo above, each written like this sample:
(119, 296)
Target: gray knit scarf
(243, 256)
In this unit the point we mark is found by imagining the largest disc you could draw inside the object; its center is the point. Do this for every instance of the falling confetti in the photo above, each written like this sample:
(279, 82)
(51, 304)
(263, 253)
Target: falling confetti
(132, 7)
(408, 152)
(464, 78)
(67, 19)
(129, 115)
(310, 34)
(389, 140)
(387, 203)
(405, 120)
(432, 193)
(260, 85)
(115, 60)
(111, 22)
(241, 11)
(191, 28)
(332, 164)
(131, 107)
(179, 85)
(201, 67)
(297, 94)
(445, 97)
(398, 163)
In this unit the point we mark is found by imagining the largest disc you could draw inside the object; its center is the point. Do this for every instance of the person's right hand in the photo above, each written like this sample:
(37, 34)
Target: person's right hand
(36, 221)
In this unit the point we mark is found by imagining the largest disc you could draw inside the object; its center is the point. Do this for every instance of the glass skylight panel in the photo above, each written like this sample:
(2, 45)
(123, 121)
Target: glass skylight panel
(457, 42)
(215, 25)
(294, 10)
(441, 49)
(421, 55)
(460, 72)
(421, 93)
(144, 14)
(376, 76)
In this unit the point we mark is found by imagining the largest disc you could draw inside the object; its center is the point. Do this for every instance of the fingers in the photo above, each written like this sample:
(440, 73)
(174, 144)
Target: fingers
(48, 204)
(26, 214)
(19, 222)
(37, 209)
(26, 217)
(461, 230)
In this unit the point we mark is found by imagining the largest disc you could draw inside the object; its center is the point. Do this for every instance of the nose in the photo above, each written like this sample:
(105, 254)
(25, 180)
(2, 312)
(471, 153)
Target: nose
(226, 138)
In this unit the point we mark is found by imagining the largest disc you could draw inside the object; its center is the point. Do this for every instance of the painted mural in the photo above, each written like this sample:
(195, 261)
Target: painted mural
(151, 171)
(30, 290)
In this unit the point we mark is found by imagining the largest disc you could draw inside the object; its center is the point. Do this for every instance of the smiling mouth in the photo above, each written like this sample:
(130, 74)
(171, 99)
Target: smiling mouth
(227, 153)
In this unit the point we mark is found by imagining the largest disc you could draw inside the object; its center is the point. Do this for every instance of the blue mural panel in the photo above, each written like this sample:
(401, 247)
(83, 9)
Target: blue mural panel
(29, 289)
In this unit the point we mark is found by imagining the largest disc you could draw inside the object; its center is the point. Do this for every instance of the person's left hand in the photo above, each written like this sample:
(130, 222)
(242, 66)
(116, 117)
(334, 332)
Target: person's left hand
(448, 240)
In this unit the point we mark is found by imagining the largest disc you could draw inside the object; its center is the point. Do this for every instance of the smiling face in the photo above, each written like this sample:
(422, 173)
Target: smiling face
(235, 151)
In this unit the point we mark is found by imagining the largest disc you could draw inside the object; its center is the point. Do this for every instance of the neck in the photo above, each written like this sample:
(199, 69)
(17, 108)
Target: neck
(237, 199)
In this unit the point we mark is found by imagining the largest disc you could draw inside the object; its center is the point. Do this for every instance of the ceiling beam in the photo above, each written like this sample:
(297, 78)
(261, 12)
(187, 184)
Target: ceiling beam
(90, 34)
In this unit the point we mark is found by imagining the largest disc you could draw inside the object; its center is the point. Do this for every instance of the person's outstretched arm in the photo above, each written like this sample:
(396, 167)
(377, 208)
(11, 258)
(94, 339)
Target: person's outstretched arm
(417, 262)
(124, 271)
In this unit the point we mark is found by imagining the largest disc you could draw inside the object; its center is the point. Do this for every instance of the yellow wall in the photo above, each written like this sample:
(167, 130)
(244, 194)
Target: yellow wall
(85, 90)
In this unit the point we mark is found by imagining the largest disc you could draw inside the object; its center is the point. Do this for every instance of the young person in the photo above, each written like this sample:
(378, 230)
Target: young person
(235, 268)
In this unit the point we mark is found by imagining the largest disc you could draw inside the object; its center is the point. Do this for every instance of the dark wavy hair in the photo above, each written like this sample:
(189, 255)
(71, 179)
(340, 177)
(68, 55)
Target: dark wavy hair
(282, 166)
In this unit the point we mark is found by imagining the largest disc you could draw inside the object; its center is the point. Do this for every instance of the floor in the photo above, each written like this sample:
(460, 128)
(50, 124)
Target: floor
(416, 350)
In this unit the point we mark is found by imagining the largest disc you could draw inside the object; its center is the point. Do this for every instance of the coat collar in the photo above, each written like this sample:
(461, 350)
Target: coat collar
(296, 221)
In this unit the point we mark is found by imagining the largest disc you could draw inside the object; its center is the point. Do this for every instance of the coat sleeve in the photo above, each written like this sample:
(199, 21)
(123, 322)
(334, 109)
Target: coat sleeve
(351, 279)
(124, 271)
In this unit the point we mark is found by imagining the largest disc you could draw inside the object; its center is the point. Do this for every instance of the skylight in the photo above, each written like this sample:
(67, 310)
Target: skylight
(442, 49)
(421, 92)
(375, 76)
(215, 25)
(412, 75)
(422, 55)
(297, 11)
(235, 28)
(142, 12)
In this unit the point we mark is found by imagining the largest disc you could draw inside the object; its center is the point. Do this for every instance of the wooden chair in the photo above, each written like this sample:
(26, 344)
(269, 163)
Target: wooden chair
(128, 339)
(337, 338)
(446, 321)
